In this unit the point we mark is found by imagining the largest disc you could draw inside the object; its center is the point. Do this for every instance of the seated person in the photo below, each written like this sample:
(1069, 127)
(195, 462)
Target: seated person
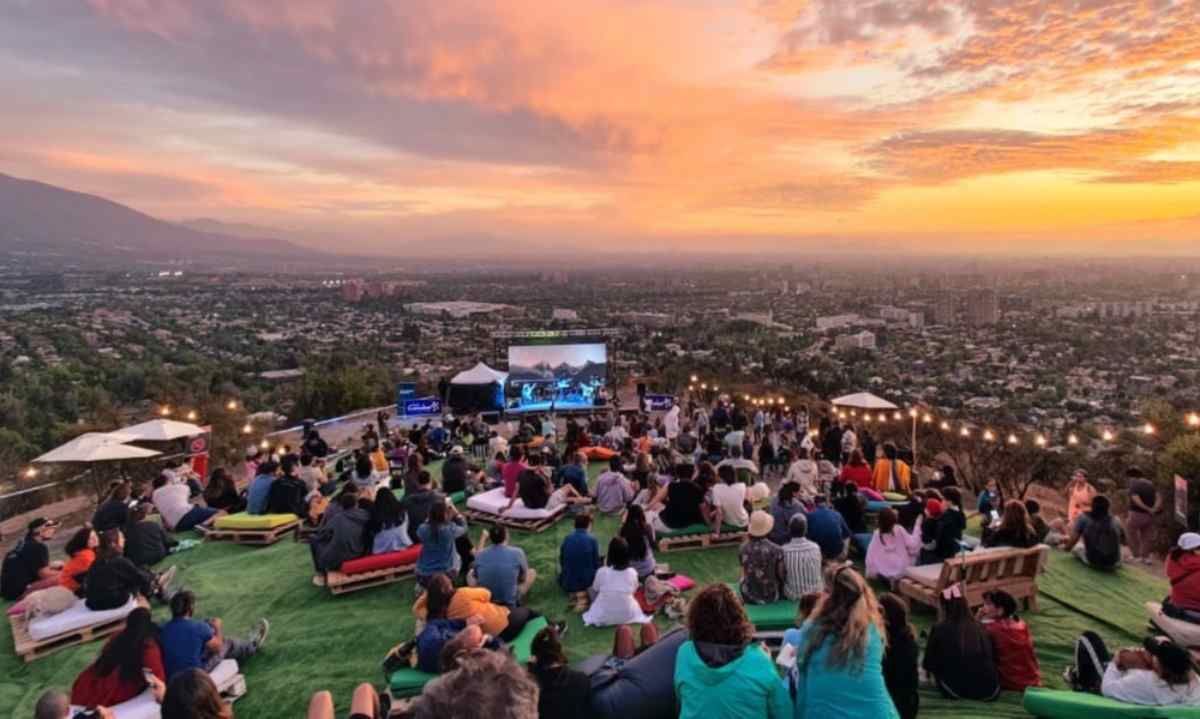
(130, 662)
(191, 694)
(1096, 536)
(437, 537)
(81, 554)
(418, 501)
(640, 536)
(501, 569)
(341, 537)
(851, 505)
(729, 497)
(684, 505)
(763, 571)
(483, 683)
(1159, 673)
(188, 643)
(365, 704)
(613, 491)
(892, 549)
(113, 512)
(113, 579)
(1040, 529)
(565, 692)
(442, 600)
(288, 494)
(612, 600)
(511, 470)
(828, 529)
(221, 493)
(1183, 571)
(1014, 529)
(146, 542)
(387, 527)
(720, 672)
(53, 704)
(578, 561)
(901, 657)
(783, 508)
(174, 505)
(259, 491)
(533, 486)
(942, 528)
(801, 562)
(27, 566)
(574, 474)
(959, 655)
(1016, 661)
(457, 473)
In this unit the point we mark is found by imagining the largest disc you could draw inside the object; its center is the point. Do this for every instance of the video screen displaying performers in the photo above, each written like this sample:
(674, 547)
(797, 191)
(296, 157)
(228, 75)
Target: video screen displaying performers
(543, 378)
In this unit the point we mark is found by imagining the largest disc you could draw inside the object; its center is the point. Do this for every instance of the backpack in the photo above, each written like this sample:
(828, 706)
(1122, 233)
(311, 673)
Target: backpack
(1102, 543)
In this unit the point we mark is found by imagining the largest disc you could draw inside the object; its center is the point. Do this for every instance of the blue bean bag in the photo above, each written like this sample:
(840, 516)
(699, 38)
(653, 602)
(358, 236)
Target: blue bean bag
(644, 688)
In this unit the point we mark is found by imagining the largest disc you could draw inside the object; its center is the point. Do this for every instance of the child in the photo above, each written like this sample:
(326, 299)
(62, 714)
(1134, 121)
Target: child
(1016, 662)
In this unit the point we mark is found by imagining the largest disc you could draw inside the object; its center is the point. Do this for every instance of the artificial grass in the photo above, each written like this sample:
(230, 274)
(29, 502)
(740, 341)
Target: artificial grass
(323, 642)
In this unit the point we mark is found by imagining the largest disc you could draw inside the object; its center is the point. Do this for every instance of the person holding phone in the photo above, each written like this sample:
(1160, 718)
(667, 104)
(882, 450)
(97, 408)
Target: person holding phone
(129, 664)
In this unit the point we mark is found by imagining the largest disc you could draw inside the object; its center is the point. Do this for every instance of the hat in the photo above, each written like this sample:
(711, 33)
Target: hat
(456, 451)
(1003, 601)
(761, 524)
(40, 522)
(1189, 541)
(1174, 658)
(758, 492)
(933, 507)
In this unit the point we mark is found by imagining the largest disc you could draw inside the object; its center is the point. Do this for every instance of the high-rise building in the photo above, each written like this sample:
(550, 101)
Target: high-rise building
(945, 308)
(983, 308)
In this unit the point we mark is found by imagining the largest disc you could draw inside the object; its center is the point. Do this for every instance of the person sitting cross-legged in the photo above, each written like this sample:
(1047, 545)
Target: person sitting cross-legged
(189, 643)
(578, 561)
(763, 571)
(501, 569)
(1096, 536)
(1016, 660)
(801, 562)
(365, 704)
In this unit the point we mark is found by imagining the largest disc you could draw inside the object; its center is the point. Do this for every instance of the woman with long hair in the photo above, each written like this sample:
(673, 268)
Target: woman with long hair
(1183, 571)
(719, 672)
(1080, 493)
(113, 580)
(612, 590)
(857, 471)
(892, 549)
(640, 537)
(81, 554)
(120, 672)
(902, 656)
(387, 528)
(566, 692)
(222, 493)
(438, 536)
(959, 654)
(191, 694)
(892, 474)
(1015, 529)
(839, 653)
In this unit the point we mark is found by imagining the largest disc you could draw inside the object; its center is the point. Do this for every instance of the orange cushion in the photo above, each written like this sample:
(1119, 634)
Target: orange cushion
(372, 562)
(600, 453)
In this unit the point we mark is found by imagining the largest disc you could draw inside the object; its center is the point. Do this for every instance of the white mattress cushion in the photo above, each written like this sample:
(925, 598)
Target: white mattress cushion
(927, 574)
(143, 705)
(224, 673)
(494, 500)
(77, 617)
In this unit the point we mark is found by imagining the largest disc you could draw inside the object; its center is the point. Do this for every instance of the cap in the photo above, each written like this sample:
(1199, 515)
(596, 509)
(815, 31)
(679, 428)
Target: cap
(1174, 658)
(933, 507)
(41, 522)
(1189, 541)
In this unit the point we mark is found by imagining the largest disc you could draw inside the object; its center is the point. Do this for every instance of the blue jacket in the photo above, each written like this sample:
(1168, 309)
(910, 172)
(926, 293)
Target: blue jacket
(437, 546)
(259, 493)
(431, 640)
(579, 558)
(829, 530)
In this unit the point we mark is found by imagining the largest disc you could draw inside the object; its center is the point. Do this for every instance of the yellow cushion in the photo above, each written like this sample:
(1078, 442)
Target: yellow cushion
(241, 520)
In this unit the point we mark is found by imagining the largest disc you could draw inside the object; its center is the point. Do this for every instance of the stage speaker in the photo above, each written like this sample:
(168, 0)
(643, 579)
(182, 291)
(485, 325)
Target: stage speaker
(641, 389)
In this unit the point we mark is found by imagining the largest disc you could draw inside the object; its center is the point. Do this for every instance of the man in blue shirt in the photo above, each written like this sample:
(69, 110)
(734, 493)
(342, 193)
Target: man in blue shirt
(260, 488)
(829, 530)
(191, 644)
(579, 558)
(575, 475)
(501, 569)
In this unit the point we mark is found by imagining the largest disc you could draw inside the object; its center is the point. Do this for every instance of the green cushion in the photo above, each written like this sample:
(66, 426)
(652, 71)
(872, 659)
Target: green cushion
(700, 529)
(772, 617)
(1051, 704)
(457, 497)
(409, 682)
(894, 497)
(241, 520)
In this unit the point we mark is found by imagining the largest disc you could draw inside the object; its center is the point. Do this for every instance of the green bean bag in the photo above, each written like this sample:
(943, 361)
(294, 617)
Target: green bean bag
(772, 617)
(410, 682)
(456, 497)
(693, 529)
(1051, 704)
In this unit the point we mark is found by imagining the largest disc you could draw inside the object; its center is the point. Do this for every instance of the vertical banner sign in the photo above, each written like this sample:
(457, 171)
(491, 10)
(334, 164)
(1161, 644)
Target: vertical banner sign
(1181, 500)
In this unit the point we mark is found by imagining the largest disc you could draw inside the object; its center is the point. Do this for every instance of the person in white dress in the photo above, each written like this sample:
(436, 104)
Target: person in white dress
(613, 589)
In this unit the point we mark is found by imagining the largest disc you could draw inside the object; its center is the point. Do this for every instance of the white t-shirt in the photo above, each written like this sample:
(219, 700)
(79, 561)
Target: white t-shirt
(614, 604)
(172, 503)
(1144, 687)
(731, 499)
(735, 438)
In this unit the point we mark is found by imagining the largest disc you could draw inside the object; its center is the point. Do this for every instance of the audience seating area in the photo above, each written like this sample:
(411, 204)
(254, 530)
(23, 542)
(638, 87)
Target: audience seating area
(485, 507)
(40, 637)
(373, 570)
(700, 536)
(983, 570)
(257, 529)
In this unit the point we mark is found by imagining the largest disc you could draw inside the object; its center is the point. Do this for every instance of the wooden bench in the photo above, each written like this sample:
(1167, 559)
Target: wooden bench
(1012, 570)
(340, 583)
(523, 525)
(706, 540)
(30, 649)
(258, 537)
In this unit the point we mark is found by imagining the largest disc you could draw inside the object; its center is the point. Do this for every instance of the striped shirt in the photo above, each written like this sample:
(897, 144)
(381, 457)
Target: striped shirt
(802, 562)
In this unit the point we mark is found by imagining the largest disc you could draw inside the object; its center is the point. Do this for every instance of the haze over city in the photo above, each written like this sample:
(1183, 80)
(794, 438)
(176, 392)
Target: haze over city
(610, 125)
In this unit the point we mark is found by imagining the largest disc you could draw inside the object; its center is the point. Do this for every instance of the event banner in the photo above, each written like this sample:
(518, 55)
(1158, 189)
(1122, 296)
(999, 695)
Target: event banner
(659, 402)
(1181, 500)
(422, 407)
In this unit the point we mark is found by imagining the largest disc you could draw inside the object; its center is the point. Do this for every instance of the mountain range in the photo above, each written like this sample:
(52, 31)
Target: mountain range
(37, 219)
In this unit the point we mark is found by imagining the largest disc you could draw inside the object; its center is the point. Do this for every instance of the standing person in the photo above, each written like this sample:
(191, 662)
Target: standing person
(1016, 660)
(892, 474)
(867, 443)
(838, 672)
(642, 541)
(902, 656)
(613, 490)
(857, 472)
(1096, 536)
(671, 423)
(849, 441)
(1080, 493)
(1144, 503)
(959, 653)
(28, 567)
(719, 672)
(892, 549)
(612, 600)
(128, 664)
(191, 644)
(1014, 529)
(801, 562)
(81, 554)
(831, 443)
(437, 537)
(146, 542)
(578, 561)
(501, 569)
(763, 571)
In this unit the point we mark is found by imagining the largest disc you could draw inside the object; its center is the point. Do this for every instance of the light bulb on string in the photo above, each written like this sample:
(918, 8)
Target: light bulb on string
(1040, 441)
(913, 413)
(1072, 439)
(1148, 429)
(927, 419)
(1107, 436)
(897, 416)
(988, 436)
(945, 426)
(31, 473)
(965, 432)
(1012, 439)
(231, 405)
(1193, 420)
(695, 379)
(191, 415)
(247, 428)
(165, 411)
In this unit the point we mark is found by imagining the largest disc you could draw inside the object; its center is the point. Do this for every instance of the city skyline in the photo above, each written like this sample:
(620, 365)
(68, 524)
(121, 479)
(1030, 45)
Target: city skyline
(991, 128)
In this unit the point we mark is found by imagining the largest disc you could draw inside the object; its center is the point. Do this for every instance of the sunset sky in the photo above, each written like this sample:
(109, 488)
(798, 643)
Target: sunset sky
(980, 125)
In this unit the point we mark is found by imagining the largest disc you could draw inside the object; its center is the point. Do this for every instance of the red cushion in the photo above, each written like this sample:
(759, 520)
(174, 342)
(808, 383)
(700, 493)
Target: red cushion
(372, 562)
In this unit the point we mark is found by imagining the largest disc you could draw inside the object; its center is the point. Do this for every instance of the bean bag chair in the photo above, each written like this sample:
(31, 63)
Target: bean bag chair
(241, 520)
(876, 506)
(870, 494)
(601, 453)
(644, 688)
(372, 562)
(1182, 632)
(409, 682)
(1052, 704)
(894, 497)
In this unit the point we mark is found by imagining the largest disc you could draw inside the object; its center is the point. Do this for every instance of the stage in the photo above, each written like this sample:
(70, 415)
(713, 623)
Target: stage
(562, 406)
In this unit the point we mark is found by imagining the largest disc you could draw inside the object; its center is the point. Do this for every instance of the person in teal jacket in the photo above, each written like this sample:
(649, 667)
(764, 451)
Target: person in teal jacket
(718, 673)
(838, 670)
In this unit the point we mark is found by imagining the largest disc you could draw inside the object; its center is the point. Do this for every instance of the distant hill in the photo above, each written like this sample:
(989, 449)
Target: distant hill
(41, 219)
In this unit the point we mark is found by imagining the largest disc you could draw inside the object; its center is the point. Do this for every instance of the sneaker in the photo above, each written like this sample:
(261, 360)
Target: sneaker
(561, 627)
(261, 630)
(163, 581)
(318, 580)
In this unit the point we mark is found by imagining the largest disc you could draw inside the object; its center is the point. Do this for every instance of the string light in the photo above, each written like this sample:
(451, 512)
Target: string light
(264, 444)
(1148, 429)
(1012, 439)
(191, 415)
(247, 428)
(927, 419)
(867, 418)
(945, 426)
(1193, 420)
(988, 436)
(716, 388)
(746, 397)
(691, 388)
(165, 411)
(854, 413)
(231, 405)
(897, 416)
(1072, 439)
(913, 413)
(1107, 436)
(965, 432)
(31, 473)
(1040, 441)
(704, 385)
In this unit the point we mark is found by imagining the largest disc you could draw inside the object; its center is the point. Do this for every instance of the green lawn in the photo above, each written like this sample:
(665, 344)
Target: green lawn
(322, 642)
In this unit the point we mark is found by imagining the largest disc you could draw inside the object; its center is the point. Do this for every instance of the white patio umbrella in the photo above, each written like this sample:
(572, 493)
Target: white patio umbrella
(157, 430)
(94, 447)
(863, 400)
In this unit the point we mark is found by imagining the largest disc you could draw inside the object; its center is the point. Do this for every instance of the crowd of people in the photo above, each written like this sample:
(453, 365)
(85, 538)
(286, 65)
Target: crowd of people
(707, 469)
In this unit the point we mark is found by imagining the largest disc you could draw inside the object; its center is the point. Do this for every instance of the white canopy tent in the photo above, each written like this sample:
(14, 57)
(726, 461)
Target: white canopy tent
(480, 374)
(94, 447)
(479, 389)
(864, 400)
(157, 430)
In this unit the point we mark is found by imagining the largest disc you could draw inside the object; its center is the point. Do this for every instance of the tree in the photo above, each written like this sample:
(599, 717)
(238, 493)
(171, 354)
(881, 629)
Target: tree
(1181, 458)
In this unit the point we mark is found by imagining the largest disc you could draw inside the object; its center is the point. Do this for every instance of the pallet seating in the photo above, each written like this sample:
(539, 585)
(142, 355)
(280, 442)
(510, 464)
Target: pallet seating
(485, 508)
(43, 636)
(700, 536)
(1012, 570)
(226, 675)
(253, 529)
(373, 571)
(408, 682)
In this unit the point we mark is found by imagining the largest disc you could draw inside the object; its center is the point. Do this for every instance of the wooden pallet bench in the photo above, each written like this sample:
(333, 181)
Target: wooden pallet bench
(30, 649)
(1012, 570)
(255, 537)
(522, 525)
(340, 583)
(702, 538)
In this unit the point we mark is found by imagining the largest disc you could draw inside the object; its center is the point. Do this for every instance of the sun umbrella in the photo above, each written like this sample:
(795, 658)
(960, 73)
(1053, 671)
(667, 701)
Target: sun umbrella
(863, 400)
(94, 447)
(157, 430)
